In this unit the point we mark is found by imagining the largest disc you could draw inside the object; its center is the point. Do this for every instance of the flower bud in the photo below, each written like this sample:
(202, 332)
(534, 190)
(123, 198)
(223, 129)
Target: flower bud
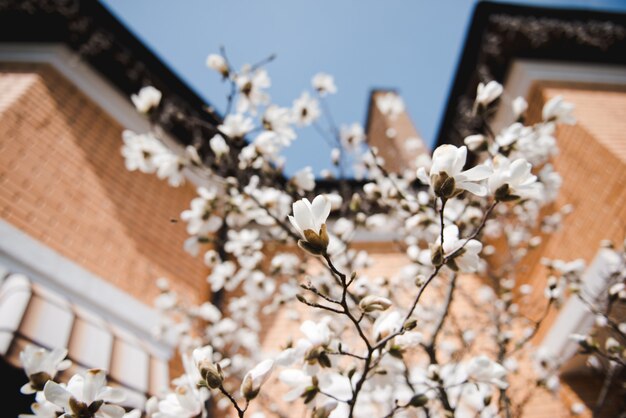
(418, 400)
(475, 142)
(373, 303)
(253, 380)
(211, 373)
(444, 186)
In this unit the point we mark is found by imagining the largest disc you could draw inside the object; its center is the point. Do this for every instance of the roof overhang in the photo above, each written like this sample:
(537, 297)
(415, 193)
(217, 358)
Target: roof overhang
(501, 34)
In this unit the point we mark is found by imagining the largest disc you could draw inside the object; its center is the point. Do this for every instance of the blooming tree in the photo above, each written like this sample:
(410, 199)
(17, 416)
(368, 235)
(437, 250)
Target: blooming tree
(367, 347)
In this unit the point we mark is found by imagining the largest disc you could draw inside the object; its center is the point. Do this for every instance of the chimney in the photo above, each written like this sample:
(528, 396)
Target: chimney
(390, 129)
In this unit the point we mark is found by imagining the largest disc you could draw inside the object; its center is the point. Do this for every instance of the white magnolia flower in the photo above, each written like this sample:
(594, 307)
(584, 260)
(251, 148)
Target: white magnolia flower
(519, 106)
(244, 242)
(483, 369)
(304, 179)
(218, 145)
(324, 84)
(182, 403)
(390, 104)
(86, 396)
(236, 126)
(474, 142)
(578, 408)
(388, 323)
(286, 263)
(487, 93)
(139, 151)
(316, 333)
(465, 252)
(309, 219)
(512, 180)
(42, 408)
(447, 176)
(371, 303)
(305, 109)
(557, 109)
(147, 98)
(208, 312)
(41, 365)
(205, 368)
(255, 378)
(219, 275)
(251, 87)
(218, 63)
(278, 120)
(170, 166)
(199, 217)
(352, 136)
(297, 380)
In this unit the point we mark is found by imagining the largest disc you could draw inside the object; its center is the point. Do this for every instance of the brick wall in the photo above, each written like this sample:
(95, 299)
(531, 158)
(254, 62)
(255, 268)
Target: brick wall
(63, 181)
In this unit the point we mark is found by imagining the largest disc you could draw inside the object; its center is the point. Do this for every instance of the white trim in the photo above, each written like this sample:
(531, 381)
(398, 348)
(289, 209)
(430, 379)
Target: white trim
(84, 78)
(575, 317)
(20, 253)
(523, 73)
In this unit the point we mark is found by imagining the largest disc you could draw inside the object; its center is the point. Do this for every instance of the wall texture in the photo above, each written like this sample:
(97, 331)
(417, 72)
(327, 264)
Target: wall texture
(63, 181)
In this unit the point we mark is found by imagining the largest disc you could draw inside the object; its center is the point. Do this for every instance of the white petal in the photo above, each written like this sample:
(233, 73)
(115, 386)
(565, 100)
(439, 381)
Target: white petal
(320, 209)
(459, 161)
(27, 389)
(474, 188)
(95, 379)
(110, 411)
(295, 225)
(56, 394)
(302, 214)
(476, 173)
(110, 394)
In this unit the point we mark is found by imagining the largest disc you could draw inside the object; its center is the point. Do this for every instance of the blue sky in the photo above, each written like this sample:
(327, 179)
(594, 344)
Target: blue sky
(410, 45)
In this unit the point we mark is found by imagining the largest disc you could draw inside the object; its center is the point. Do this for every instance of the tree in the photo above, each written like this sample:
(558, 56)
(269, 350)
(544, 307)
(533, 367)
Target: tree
(426, 342)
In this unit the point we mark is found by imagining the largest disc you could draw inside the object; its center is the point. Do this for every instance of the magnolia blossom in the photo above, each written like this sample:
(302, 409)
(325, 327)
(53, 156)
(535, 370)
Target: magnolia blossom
(251, 85)
(170, 166)
(219, 275)
(278, 120)
(372, 303)
(41, 365)
(483, 369)
(512, 180)
(297, 380)
(352, 136)
(255, 378)
(304, 179)
(86, 396)
(487, 93)
(218, 145)
(447, 176)
(557, 109)
(519, 106)
(236, 126)
(305, 109)
(390, 104)
(139, 151)
(324, 84)
(147, 98)
(475, 142)
(464, 252)
(309, 220)
(206, 371)
(182, 403)
(218, 63)
(42, 408)
(200, 219)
